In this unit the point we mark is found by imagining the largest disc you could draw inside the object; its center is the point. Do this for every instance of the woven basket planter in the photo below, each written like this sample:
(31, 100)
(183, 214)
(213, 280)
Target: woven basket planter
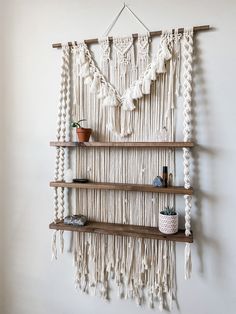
(168, 224)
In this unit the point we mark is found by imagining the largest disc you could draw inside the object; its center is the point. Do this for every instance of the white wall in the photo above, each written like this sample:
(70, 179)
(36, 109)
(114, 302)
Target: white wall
(30, 283)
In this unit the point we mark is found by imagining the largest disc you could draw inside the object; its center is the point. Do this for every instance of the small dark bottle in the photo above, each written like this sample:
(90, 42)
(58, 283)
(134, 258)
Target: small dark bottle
(165, 176)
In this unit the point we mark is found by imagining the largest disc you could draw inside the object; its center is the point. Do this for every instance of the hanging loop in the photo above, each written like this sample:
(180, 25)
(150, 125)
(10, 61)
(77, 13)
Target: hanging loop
(117, 17)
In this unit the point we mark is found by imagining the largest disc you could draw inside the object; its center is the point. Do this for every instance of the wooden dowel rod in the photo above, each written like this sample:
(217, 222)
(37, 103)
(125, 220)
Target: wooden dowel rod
(152, 34)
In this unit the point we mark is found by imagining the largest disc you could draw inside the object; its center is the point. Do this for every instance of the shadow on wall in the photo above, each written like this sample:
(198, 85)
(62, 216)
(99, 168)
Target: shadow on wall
(202, 105)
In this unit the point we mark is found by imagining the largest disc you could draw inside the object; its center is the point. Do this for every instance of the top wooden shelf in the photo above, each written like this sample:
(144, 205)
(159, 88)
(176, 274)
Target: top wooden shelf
(124, 144)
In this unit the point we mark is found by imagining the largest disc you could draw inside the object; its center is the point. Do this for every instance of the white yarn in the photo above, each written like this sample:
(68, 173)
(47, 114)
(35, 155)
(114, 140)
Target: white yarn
(187, 84)
(105, 55)
(187, 90)
(62, 134)
(69, 175)
(146, 86)
(127, 101)
(95, 85)
(54, 245)
(124, 65)
(59, 131)
(136, 91)
(142, 52)
(188, 261)
(134, 264)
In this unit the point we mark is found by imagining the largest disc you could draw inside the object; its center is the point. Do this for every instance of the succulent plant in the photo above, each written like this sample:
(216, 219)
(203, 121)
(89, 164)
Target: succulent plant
(77, 124)
(169, 211)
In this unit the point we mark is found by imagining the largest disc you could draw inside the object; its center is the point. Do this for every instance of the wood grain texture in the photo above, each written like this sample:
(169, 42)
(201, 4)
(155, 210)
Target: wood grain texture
(124, 230)
(124, 144)
(123, 187)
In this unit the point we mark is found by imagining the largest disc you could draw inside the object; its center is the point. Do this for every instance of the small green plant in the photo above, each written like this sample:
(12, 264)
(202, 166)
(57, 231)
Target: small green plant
(169, 211)
(77, 124)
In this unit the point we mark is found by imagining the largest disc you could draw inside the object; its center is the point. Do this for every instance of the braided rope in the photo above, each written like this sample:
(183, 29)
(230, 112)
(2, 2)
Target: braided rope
(66, 90)
(68, 94)
(187, 85)
(187, 95)
(65, 114)
(60, 153)
(58, 135)
(188, 205)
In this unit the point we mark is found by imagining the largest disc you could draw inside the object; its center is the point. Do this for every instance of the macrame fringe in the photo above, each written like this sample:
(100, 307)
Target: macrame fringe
(143, 269)
(187, 261)
(95, 252)
(62, 241)
(54, 245)
(128, 86)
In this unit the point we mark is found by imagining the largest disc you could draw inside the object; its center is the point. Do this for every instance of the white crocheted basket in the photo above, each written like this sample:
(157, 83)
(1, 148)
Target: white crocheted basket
(168, 224)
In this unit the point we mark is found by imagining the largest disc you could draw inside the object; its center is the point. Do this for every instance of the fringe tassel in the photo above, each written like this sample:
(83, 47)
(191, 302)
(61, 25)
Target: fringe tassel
(84, 70)
(136, 92)
(95, 86)
(127, 101)
(103, 92)
(54, 245)
(62, 241)
(81, 57)
(88, 80)
(110, 101)
(187, 261)
(146, 86)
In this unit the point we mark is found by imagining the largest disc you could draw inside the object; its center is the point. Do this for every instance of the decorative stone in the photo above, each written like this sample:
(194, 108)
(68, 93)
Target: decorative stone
(75, 220)
(80, 180)
(158, 182)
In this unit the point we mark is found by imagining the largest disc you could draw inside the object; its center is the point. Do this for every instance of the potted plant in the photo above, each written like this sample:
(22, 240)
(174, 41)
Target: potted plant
(168, 221)
(82, 133)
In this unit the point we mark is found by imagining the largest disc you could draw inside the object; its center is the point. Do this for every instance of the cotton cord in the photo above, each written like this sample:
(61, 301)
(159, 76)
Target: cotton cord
(107, 32)
(62, 129)
(187, 91)
(143, 269)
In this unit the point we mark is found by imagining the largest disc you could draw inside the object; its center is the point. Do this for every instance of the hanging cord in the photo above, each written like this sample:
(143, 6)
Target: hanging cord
(117, 17)
(187, 95)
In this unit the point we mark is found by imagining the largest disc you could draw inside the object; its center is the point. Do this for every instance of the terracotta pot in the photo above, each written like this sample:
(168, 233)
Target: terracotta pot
(168, 224)
(83, 134)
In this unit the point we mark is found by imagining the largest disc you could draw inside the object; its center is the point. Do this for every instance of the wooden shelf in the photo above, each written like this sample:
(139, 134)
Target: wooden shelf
(124, 144)
(124, 230)
(123, 187)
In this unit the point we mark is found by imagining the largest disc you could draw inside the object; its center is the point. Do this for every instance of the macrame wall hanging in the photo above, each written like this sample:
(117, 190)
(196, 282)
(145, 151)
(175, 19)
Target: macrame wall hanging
(130, 97)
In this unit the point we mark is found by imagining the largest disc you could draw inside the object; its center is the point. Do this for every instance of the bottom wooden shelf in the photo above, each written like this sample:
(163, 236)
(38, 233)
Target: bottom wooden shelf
(124, 230)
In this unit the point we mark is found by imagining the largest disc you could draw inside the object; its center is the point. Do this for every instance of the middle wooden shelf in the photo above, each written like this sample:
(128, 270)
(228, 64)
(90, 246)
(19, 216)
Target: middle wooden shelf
(123, 187)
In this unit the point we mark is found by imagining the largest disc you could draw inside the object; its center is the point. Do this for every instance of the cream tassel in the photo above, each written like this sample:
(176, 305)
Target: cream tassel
(54, 245)
(103, 92)
(152, 72)
(127, 101)
(84, 70)
(61, 241)
(110, 100)
(88, 80)
(146, 85)
(161, 67)
(95, 86)
(136, 91)
(187, 261)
